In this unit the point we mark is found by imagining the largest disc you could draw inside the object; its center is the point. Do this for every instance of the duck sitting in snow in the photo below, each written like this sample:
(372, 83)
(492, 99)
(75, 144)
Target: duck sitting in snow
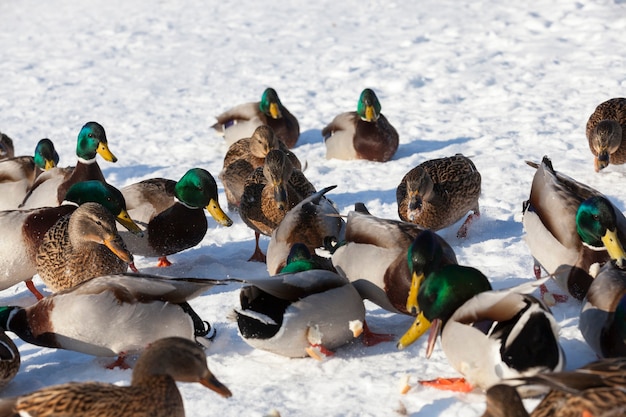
(171, 213)
(112, 315)
(606, 133)
(309, 223)
(241, 121)
(246, 155)
(374, 258)
(570, 227)
(301, 311)
(9, 359)
(51, 186)
(24, 230)
(153, 391)
(487, 336)
(361, 134)
(17, 174)
(439, 192)
(270, 192)
(596, 389)
(601, 319)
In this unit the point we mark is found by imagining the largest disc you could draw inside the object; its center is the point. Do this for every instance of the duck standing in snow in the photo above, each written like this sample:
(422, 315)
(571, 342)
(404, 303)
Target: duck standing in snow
(246, 155)
(570, 227)
(606, 133)
(171, 213)
(270, 192)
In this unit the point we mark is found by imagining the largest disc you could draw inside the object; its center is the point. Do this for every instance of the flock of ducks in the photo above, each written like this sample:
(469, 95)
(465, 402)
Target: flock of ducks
(79, 234)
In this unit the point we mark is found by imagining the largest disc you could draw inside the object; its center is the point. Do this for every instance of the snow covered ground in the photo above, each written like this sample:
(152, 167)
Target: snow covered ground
(501, 83)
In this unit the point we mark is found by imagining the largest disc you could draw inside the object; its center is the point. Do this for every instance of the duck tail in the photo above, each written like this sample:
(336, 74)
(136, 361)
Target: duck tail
(202, 328)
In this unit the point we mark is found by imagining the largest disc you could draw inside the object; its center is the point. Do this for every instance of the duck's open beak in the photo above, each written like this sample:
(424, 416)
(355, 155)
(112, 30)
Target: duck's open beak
(103, 150)
(218, 214)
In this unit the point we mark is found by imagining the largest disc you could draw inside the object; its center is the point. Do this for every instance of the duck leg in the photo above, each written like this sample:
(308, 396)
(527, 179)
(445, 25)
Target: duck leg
(163, 262)
(462, 233)
(258, 255)
(372, 339)
(449, 384)
(546, 296)
(31, 286)
(120, 362)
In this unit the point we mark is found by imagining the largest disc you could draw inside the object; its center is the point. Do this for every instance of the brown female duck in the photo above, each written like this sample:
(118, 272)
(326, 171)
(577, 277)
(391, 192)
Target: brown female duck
(606, 133)
(439, 192)
(152, 391)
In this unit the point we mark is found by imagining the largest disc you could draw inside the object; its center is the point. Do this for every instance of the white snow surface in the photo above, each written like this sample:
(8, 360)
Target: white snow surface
(501, 82)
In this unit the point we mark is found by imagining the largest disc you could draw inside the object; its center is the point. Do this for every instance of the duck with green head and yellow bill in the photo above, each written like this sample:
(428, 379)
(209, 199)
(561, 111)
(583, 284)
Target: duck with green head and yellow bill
(51, 186)
(17, 174)
(570, 227)
(362, 134)
(426, 256)
(241, 121)
(24, 230)
(171, 213)
(486, 335)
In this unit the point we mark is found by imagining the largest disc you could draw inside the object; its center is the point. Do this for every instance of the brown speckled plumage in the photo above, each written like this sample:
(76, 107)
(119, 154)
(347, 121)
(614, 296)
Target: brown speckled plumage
(439, 192)
(244, 156)
(597, 389)
(9, 359)
(606, 133)
(152, 393)
(7, 150)
(73, 250)
(271, 191)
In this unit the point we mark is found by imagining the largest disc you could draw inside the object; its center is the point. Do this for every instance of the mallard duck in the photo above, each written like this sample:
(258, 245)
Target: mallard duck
(310, 222)
(7, 150)
(171, 213)
(9, 359)
(240, 121)
(80, 246)
(361, 134)
(439, 192)
(246, 155)
(596, 389)
(19, 173)
(152, 392)
(51, 186)
(565, 236)
(112, 315)
(295, 314)
(606, 133)
(488, 336)
(374, 258)
(604, 306)
(24, 230)
(270, 192)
